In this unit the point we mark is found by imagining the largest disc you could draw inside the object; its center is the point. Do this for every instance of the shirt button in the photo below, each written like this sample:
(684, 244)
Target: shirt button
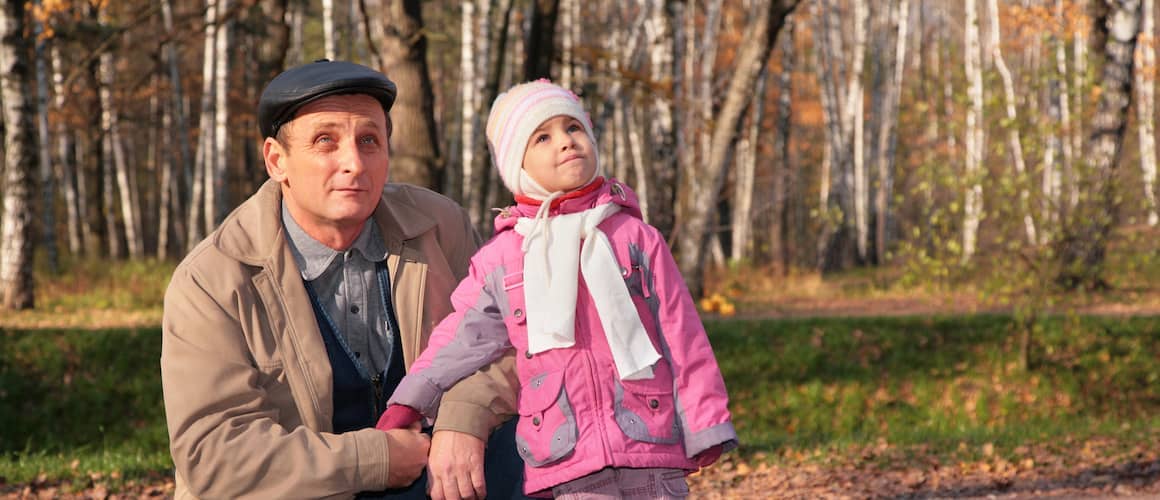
(518, 313)
(652, 403)
(528, 354)
(536, 421)
(354, 309)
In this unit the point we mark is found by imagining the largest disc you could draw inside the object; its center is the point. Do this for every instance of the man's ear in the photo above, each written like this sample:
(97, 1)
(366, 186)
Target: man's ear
(273, 153)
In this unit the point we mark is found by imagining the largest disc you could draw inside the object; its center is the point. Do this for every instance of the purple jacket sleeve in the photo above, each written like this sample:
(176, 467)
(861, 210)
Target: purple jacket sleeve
(470, 338)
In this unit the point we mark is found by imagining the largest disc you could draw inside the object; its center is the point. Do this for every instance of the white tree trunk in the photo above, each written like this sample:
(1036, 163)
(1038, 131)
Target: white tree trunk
(1145, 75)
(295, 19)
(328, 33)
(660, 40)
(1068, 140)
(65, 167)
(861, 186)
(16, 228)
(746, 158)
(884, 190)
(1014, 141)
(178, 164)
(468, 101)
(973, 204)
(203, 158)
(217, 196)
(125, 178)
(569, 36)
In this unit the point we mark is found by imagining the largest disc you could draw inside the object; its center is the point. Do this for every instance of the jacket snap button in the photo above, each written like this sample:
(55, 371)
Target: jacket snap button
(519, 313)
(624, 272)
(528, 354)
(652, 403)
(536, 421)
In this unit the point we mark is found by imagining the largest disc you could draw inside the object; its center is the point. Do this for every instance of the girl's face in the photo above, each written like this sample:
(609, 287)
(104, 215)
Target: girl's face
(560, 156)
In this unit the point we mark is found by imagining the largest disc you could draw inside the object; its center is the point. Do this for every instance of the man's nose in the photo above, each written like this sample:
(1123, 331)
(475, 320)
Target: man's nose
(352, 160)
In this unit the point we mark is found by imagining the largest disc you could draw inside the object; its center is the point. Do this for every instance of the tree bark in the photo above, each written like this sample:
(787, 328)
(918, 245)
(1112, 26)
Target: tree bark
(1083, 246)
(20, 161)
(1146, 107)
(47, 179)
(541, 49)
(1014, 141)
(761, 33)
(402, 46)
(780, 246)
(66, 168)
(973, 198)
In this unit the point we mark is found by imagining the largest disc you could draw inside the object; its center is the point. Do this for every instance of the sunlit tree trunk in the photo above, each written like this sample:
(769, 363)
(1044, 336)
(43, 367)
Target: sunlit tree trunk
(569, 36)
(328, 32)
(217, 196)
(1082, 248)
(1146, 106)
(469, 121)
(973, 200)
(887, 137)
(757, 43)
(203, 158)
(294, 19)
(66, 168)
(1067, 175)
(1014, 141)
(746, 159)
(402, 45)
(115, 151)
(20, 161)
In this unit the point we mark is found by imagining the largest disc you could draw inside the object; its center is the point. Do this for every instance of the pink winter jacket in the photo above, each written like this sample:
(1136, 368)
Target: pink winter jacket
(576, 416)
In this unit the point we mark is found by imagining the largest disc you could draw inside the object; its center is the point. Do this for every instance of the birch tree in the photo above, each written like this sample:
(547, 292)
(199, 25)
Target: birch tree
(1083, 246)
(217, 203)
(973, 200)
(760, 35)
(66, 168)
(114, 150)
(401, 46)
(328, 31)
(203, 158)
(742, 216)
(1014, 141)
(47, 177)
(20, 160)
(780, 246)
(1146, 106)
(887, 137)
(660, 40)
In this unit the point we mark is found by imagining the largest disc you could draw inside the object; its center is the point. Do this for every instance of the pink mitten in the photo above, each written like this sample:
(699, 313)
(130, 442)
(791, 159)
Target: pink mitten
(397, 417)
(707, 457)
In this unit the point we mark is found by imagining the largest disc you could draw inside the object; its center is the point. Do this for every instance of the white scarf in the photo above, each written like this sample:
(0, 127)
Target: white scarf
(552, 252)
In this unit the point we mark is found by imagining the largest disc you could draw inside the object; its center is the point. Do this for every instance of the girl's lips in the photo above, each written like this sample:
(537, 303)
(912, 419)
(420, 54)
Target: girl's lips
(570, 158)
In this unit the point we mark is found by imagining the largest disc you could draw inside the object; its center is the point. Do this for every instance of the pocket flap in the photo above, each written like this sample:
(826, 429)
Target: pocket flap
(540, 392)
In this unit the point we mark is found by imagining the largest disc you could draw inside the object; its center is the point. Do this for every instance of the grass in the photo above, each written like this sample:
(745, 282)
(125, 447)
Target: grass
(75, 404)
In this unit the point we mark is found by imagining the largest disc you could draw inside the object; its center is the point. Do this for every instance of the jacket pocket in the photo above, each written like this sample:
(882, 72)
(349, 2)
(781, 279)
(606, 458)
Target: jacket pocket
(646, 410)
(546, 431)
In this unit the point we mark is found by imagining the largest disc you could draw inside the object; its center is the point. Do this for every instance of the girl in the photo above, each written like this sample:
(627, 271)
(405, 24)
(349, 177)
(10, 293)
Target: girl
(620, 392)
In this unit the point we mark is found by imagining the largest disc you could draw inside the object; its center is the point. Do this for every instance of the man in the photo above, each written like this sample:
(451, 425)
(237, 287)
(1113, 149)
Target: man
(286, 329)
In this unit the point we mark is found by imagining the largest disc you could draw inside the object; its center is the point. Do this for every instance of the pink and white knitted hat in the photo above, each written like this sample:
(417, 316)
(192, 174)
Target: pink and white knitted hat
(517, 113)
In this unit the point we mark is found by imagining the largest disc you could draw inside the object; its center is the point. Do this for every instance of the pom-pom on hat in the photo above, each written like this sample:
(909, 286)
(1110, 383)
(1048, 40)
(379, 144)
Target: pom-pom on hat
(517, 113)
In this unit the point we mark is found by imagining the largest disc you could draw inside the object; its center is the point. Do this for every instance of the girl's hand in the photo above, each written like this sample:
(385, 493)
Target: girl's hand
(710, 455)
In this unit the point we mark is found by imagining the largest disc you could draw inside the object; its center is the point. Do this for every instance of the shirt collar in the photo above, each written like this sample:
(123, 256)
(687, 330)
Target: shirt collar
(313, 257)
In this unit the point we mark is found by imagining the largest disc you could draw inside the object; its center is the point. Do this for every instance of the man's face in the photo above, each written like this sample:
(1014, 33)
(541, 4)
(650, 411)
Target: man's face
(560, 156)
(332, 162)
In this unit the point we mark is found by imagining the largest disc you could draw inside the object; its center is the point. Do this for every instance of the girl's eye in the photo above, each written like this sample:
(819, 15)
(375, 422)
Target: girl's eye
(575, 127)
(542, 138)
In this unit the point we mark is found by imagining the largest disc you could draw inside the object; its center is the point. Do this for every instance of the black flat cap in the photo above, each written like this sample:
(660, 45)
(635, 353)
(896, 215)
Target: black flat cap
(295, 87)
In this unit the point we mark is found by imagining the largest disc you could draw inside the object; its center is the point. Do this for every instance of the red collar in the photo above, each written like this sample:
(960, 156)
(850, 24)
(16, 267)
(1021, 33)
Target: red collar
(592, 186)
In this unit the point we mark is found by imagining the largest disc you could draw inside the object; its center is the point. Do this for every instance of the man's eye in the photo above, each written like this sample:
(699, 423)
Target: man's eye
(323, 139)
(368, 139)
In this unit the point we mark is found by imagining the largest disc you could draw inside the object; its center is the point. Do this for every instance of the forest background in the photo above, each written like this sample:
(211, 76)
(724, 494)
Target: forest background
(802, 157)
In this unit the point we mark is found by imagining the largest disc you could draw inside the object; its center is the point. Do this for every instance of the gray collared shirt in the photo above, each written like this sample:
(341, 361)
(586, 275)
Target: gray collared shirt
(347, 286)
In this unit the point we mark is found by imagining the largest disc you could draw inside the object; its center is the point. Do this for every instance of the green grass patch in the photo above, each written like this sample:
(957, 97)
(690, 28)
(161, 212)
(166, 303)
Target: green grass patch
(945, 385)
(75, 403)
(78, 403)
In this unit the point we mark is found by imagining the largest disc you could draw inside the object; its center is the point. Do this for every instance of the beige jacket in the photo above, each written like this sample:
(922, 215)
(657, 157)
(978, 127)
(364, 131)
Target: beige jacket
(246, 378)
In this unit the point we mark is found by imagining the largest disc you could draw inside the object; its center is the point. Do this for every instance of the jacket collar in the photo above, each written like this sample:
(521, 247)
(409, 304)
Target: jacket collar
(254, 234)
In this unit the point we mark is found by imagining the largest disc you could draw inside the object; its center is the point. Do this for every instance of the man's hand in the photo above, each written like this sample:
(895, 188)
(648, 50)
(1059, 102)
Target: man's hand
(408, 455)
(455, 467)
